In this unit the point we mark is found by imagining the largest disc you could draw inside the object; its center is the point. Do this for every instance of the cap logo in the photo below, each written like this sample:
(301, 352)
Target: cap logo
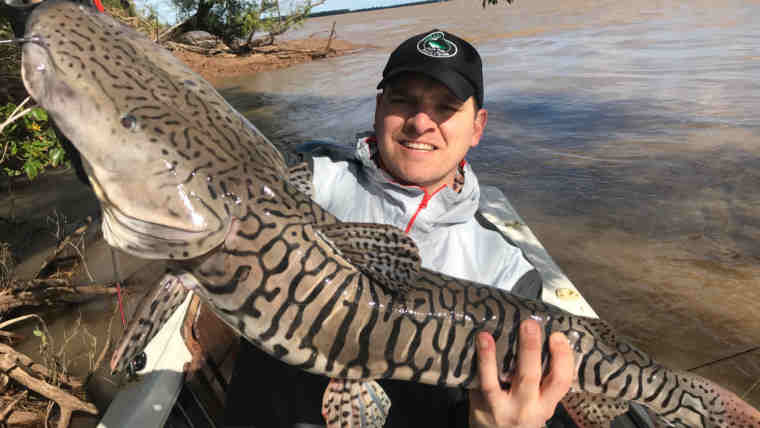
(437, 46)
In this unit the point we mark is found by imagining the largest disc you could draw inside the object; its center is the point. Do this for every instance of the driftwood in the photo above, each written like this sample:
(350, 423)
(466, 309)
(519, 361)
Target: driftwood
(4, 380)
(39, 292)
(252, 43)
(330, 39)
(172, 32)
(196, 49)
(40, 370)
(15, 365)
(19, 418)
(284, 52)
(67, 242)
(11, 337)
(9, 408)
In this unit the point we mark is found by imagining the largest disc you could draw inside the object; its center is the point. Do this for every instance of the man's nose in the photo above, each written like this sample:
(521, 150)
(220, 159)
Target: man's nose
(421, 122)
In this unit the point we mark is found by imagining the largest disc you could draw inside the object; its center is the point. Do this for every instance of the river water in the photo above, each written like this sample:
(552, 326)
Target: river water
(625, 134)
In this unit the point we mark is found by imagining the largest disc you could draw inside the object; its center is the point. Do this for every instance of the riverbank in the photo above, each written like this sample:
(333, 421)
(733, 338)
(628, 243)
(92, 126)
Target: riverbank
(619, 132)
(282, 54)
(23, 205)
(36, 215)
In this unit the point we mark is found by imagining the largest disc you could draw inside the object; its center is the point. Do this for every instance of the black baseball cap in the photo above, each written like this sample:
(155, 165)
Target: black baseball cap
(442, 56)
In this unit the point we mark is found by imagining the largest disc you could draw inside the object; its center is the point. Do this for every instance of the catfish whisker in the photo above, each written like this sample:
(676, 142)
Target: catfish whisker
(19, 40)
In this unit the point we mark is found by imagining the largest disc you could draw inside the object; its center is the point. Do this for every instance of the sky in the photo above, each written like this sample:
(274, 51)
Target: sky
(166, 11)
(356, 4)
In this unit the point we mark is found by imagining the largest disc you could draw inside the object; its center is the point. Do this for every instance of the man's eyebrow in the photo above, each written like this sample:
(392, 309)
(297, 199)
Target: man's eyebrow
(452, 99)
(404, 91)
(398, 90)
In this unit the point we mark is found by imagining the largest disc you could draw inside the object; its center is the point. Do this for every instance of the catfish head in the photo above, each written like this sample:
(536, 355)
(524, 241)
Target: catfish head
(164, 152)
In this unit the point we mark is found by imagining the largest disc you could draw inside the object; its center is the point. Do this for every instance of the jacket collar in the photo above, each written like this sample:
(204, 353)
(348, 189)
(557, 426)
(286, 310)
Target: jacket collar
(444, 208)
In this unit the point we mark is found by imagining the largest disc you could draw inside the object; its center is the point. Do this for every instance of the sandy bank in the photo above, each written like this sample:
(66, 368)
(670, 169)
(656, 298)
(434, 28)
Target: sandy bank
(283, 54)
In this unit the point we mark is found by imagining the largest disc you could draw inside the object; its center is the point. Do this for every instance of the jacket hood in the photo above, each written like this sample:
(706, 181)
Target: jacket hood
(444, 208)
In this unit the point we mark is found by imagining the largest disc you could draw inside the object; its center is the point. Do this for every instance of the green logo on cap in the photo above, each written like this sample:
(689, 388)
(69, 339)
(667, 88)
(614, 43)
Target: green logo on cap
(437, 46)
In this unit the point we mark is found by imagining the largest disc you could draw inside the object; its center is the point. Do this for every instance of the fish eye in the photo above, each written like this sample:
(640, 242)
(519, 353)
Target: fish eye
(129, 122)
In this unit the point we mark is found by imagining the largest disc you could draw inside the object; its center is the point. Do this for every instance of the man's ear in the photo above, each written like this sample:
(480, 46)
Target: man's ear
(481, 119)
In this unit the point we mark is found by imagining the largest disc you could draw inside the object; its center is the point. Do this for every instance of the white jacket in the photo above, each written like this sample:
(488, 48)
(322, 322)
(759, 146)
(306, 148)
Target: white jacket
(453, 238)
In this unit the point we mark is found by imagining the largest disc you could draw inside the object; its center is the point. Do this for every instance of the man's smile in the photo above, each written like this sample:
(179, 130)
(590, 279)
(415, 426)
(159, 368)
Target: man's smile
(417, 145)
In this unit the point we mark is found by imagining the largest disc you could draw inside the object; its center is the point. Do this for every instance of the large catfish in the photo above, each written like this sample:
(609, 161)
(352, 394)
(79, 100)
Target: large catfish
(182, 176)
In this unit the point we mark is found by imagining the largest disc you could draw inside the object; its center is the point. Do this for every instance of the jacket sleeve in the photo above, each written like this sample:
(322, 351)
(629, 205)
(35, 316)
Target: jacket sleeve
(304, 154)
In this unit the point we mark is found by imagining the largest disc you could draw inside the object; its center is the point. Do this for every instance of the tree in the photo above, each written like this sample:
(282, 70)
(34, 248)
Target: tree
(279, 24)
(29, 143)
(218, 17)
(234, 19)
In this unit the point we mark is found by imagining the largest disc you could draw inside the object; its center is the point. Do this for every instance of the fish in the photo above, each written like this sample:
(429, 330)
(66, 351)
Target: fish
(182, 176)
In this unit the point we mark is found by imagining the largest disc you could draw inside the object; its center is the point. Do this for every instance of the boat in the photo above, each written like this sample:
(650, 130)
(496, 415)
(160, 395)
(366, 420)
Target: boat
(189, 363)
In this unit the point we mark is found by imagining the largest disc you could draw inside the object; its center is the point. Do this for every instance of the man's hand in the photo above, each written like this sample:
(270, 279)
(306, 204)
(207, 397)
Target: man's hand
(529, 403)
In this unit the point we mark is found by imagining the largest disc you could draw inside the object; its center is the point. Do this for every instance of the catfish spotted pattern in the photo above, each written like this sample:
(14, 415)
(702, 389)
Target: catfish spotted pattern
(183, 176)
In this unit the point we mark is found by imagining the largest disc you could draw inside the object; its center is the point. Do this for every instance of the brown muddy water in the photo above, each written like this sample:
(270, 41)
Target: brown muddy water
(625, 134)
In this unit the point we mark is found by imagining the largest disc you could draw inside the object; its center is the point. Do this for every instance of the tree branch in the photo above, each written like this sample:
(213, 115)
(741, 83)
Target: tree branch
(15, 115)
(12, 404)
(9, 363)
(39, 292)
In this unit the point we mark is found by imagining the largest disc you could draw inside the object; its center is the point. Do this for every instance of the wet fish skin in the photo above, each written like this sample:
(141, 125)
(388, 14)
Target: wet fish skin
(153, 311)
(273, 264)
(428, 336)
(91, 74)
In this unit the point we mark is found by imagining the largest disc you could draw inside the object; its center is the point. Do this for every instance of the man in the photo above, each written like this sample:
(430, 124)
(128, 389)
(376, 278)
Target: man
(411, 173)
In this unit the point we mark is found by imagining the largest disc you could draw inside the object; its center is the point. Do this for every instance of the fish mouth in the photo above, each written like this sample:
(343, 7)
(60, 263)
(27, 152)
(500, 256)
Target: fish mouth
(147, 240)
(148, 217)
(151, 240)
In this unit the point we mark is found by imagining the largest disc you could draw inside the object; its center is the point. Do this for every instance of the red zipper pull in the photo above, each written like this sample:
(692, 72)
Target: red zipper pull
(425, 199)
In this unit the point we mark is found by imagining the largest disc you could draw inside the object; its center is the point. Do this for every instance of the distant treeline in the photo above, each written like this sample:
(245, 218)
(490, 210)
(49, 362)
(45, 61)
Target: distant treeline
(342, 11)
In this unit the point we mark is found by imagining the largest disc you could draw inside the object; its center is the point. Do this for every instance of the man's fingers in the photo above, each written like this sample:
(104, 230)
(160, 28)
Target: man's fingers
(488, 371)
(529, 402)
(556, 385)
(528, 377)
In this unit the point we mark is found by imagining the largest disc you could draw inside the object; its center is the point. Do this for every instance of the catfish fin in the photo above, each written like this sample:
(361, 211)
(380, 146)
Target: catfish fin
(299, 175)
(593, 410)
(153, 311)
(355, 404)
(383, 252)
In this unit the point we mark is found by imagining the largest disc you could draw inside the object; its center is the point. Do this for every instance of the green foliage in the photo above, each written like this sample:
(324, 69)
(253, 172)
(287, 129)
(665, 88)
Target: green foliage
(41, 334)
(277, 24)
(29, 145)
(222, 18)
(5, 27)
(10, 54)
(127, 6)
(255, 19)
(228, 18)
(231, 19)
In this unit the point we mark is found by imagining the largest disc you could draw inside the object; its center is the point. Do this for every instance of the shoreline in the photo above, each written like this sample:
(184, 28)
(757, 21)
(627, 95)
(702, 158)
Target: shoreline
(282, 54)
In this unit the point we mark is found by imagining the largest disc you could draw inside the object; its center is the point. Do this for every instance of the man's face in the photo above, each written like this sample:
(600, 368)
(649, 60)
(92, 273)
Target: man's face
(424, 131)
